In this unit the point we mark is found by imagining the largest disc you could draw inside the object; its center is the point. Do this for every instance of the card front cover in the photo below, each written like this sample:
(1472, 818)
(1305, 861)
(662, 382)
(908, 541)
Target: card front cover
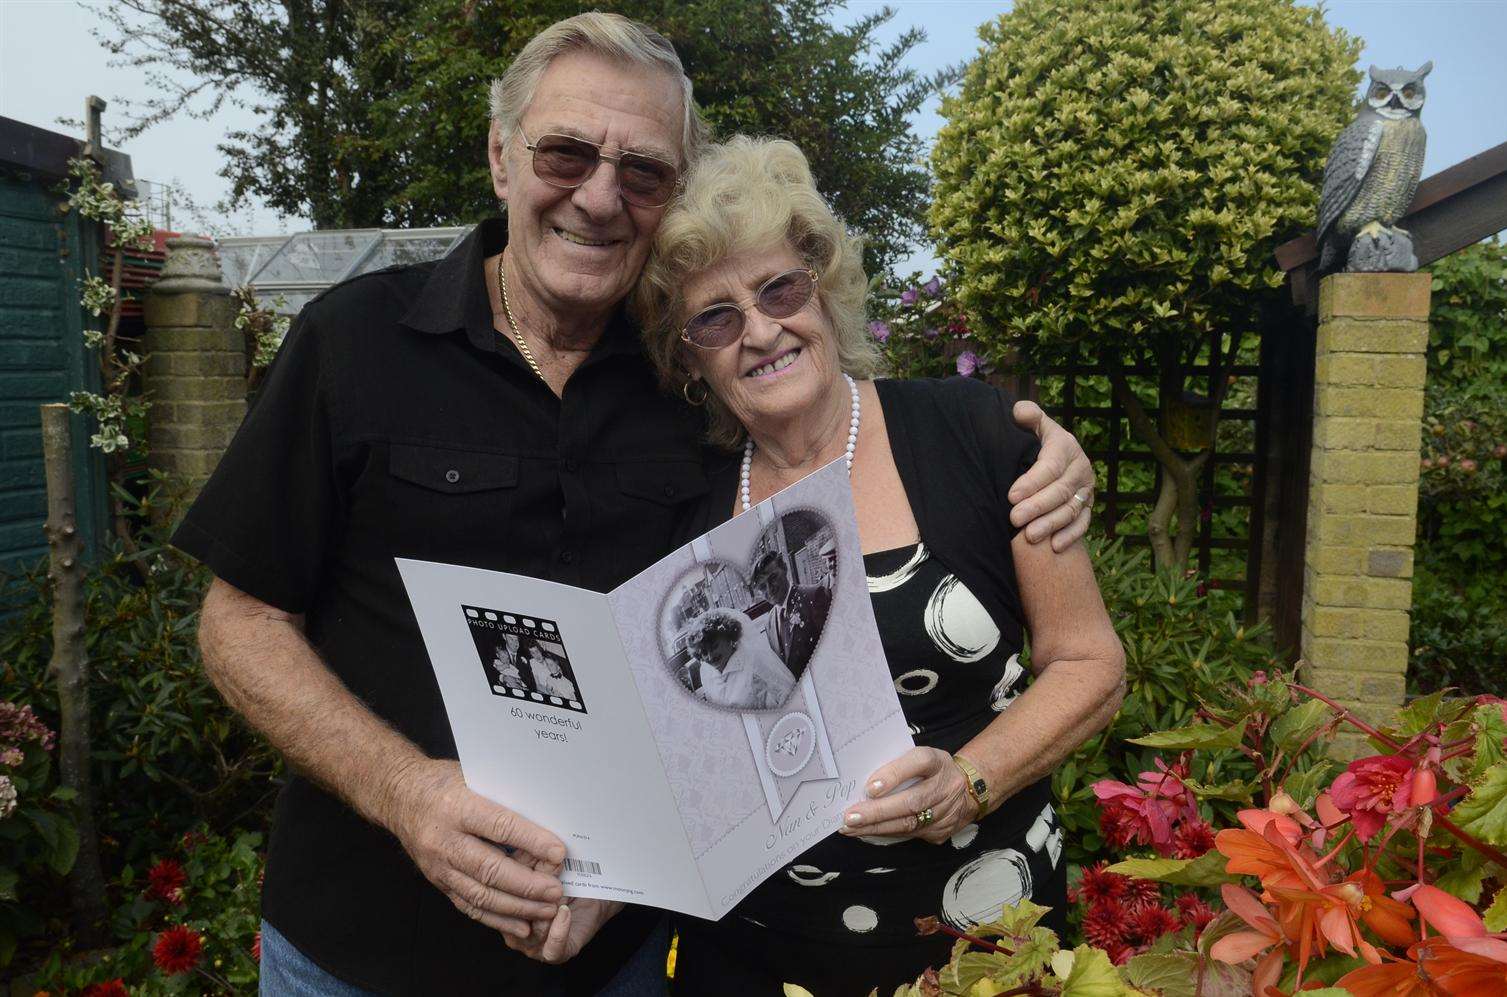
(762, 765)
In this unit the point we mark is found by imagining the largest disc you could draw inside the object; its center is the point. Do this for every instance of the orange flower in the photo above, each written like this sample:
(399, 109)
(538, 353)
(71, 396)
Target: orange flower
(1390, 919)
(1390, 979)
(1454, 971)
(1267, 850)
(1239, 946)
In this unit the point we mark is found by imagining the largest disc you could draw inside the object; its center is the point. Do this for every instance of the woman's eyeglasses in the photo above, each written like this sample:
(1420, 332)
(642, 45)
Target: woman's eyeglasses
(781, 296)
(563, 161)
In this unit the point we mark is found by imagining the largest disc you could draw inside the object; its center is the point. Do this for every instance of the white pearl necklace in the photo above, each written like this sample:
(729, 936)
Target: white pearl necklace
(748, 446)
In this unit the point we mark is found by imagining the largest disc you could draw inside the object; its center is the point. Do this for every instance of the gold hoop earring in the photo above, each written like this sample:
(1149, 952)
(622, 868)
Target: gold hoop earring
(685, 391)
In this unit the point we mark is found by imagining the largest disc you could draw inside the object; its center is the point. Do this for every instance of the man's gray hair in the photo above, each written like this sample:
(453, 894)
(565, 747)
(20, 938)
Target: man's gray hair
(611, 35)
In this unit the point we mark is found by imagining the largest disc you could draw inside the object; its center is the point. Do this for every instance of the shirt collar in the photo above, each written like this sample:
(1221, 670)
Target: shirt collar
(455, 297)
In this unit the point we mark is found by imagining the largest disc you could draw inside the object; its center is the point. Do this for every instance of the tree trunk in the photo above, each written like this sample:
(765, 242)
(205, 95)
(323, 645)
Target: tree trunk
(69, 668)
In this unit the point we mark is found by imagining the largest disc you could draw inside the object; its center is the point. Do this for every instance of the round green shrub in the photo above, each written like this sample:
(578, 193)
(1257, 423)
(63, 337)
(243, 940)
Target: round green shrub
(1117, 174)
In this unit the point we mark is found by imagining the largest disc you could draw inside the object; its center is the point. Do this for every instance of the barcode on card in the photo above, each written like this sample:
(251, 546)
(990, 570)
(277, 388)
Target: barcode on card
(583, 866)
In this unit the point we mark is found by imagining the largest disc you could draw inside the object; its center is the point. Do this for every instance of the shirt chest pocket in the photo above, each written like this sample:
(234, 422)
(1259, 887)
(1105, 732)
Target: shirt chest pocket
(447, 500)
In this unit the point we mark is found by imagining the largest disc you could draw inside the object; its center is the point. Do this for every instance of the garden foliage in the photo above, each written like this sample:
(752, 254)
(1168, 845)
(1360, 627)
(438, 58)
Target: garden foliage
(1179, 653)
(1384, 878)
(1460, 574)
(1111, 181)
(168, 753)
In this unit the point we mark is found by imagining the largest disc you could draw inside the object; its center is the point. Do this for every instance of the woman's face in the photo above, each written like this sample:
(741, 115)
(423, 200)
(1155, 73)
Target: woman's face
(780, 367)
(717, 651)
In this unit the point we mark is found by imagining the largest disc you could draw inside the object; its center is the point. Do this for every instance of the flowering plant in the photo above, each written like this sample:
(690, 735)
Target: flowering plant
(37, 840)
(1386, 876)
(922, 331)
(189, 924)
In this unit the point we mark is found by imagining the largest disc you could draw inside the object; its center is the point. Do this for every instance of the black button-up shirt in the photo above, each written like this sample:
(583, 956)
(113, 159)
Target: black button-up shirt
(397, 422)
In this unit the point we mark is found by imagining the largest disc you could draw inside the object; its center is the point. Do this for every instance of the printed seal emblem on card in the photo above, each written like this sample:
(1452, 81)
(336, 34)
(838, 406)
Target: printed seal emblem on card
(790, 743)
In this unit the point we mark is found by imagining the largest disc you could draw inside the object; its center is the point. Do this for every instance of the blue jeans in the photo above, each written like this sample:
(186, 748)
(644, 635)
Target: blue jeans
(287, 972)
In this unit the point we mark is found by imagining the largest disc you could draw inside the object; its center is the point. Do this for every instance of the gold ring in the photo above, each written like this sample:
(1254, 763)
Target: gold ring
(1080, 498)
(924, 817)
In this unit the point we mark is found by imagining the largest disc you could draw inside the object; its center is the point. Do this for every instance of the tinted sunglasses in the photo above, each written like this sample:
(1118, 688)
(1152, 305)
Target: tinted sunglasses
(781, 296)
(563, 161)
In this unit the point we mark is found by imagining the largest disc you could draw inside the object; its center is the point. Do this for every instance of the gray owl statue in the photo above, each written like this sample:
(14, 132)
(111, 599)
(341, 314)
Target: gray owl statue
(1372, 175)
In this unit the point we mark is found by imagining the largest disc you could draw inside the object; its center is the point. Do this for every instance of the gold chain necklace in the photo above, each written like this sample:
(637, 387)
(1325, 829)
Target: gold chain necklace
(507, 311)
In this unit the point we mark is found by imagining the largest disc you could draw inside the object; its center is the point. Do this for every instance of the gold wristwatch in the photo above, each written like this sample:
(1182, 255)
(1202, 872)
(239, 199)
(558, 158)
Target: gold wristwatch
(978, 789)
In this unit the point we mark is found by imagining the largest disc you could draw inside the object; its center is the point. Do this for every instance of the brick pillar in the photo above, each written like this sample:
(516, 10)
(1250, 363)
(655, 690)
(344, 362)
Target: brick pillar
(1363, 491)
(196, 367)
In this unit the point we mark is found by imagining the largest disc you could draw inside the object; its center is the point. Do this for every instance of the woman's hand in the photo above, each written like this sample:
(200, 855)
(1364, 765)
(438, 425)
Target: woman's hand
(892, 811)
(1055, 497)
(575, 923)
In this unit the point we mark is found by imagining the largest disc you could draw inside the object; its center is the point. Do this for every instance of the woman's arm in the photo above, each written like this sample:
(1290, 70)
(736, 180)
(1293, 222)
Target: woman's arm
(1080, 681)
(1079, 667)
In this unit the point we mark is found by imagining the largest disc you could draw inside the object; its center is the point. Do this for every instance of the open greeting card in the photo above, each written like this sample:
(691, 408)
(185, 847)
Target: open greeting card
(691, 731)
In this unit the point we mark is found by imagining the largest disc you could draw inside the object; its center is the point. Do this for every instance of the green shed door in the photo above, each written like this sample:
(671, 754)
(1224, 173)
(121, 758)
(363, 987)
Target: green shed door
(42, 359)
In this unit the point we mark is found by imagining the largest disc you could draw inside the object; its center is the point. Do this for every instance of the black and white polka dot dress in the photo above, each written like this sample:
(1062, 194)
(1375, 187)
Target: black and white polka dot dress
(840, 918)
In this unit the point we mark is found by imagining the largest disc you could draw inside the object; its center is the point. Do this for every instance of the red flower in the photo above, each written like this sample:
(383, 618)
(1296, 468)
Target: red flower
(192, 840)
(1194, 911)
(1150, 922)
(1192, 839)
(110, 988)
(1371, 788)
(1146, 812)
(1104, 925)
(177, 950)
(1142, 891)
(1122, 826)
(256, 947)
(1097, 884)
(165, 881)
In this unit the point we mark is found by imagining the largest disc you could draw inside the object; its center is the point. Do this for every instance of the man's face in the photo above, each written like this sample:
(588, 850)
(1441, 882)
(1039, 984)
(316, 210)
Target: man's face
(774, 582)
(580, 251)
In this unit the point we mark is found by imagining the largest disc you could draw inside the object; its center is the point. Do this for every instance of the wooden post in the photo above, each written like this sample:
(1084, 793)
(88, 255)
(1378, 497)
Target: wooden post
(69, 668)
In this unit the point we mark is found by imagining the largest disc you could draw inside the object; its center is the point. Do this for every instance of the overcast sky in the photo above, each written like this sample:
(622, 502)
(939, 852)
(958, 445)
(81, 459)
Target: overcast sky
(49, 63)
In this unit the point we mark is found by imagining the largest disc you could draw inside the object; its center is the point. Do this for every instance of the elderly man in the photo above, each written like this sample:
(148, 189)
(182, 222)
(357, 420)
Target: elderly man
(799, 611)
(490, 409)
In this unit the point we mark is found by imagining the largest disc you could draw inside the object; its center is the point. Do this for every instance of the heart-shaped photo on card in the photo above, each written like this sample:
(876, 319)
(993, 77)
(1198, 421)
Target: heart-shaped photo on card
(740, 636)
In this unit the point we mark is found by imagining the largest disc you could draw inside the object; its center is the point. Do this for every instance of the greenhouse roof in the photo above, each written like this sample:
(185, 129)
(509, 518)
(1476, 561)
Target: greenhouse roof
(296, 268)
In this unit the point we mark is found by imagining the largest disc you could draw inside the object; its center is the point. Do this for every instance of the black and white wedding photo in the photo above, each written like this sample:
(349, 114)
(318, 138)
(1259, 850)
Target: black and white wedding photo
(524, 657)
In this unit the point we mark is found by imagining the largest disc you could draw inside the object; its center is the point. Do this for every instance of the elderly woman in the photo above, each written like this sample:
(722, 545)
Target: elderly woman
(740, 670)
(752, 304)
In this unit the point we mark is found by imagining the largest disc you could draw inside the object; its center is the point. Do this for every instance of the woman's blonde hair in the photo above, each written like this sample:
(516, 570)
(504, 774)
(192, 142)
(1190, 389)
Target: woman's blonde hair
(750, 195)
(611, 35)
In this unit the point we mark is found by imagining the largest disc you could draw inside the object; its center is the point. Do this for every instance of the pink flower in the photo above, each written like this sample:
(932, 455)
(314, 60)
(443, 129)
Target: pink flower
(968, 363)
(1146, 812)
(879, 330)
(1371, 788)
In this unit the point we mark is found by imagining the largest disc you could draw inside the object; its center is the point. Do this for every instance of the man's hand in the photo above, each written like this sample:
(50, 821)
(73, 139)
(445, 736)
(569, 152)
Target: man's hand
(495, 866)
(1054, 497)
(563, 937)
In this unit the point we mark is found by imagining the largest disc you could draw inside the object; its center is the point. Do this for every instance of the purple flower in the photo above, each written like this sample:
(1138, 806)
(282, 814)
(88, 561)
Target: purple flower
(933, 287)
(932, 333)
(879, 330)
(968, 363)
(909, 296)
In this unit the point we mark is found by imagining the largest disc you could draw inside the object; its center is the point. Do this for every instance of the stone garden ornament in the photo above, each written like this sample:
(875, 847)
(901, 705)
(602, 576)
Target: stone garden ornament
(1372, 175)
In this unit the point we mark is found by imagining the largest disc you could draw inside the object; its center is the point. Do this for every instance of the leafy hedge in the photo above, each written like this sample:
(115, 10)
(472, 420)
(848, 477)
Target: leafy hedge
(1460, 587)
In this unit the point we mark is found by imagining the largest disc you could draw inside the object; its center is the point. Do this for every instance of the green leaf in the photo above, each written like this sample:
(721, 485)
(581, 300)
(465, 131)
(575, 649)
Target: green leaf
(1239, 791)
(8, 880)
(1298, 724)
(1464, 878)
(1420, 713)
(1206, 870)
(1167, 975)
(1495, 916)
(1196, 737)
(1304, 786)
(1483, 813)
(64, 848)
(1091, 975)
